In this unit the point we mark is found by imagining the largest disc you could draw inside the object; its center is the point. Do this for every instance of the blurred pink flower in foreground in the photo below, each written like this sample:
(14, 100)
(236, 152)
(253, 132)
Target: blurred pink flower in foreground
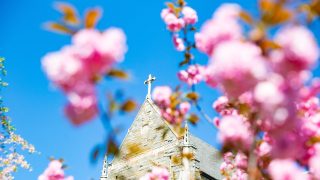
(286, 169)
(54, 171)
(157, 173)
(161, 94)
(298, 51)
(81, 107)
(76, 68)
(234, 131)
(231, 67)
(222, 27)
(314, 162)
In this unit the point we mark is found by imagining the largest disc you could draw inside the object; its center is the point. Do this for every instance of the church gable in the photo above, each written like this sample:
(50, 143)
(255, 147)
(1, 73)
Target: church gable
(147, 132)
(151, 141)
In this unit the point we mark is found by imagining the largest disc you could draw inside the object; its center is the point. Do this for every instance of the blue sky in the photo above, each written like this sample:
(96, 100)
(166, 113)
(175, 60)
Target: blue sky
(36, 107)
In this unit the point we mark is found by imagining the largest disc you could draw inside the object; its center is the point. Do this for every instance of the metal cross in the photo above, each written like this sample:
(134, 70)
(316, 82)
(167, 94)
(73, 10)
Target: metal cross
(149, 81)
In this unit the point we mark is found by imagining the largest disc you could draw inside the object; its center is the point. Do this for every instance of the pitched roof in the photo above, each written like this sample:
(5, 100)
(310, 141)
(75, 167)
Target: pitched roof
(209, 157)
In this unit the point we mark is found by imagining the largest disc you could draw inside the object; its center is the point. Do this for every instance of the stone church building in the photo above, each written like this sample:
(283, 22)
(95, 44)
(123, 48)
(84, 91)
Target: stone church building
(151, 141)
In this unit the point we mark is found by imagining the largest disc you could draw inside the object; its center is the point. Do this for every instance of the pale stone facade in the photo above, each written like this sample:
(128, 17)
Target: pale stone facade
(154, 147)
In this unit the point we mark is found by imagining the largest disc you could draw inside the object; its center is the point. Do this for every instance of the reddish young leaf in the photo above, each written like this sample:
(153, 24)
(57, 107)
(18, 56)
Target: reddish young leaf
(58, 28)
(118, 74)
(266, 5)
(170, 6)
(245, 16)
(274, 12)
(112, 147)
(92, 17)
(315, 6)
(181, 3)
(129, 106)
(70, 15)
(268, 44)
(192, 96)
(193, 118)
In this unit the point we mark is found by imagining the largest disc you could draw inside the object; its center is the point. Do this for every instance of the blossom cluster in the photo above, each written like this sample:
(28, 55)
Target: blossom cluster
(157, 173)
(76, 68)
(269, 110)
(172, 108)
(10, 162)
(234, 167)
(54, 171)
(193, 75)
(178, 19)
(266, 94)
(11, 144)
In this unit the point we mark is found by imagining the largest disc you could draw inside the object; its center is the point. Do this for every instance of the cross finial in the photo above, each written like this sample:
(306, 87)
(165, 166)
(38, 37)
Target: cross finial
(149, 81)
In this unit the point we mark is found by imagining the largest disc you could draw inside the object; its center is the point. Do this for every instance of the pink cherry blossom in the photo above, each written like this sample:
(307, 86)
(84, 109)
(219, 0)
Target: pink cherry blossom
(239, 175)
(75, 68)
(172, 115)
(264, 149)
(54, 171)
(314, 162)
(99, 51)
(227, 165)
(113, 44)
(86, 37)
(228, 157)
(157, 173)
(173, 23)
(189, 15)
(216, 121)
(311, 125)
(184, 107)
(193, 75)
(231, 66)
(286, 169)
(235, 131)
(178, 43)
(226, 168)
(286, 143)
(221, 105)
(241, 161)
(91, 54)
(165, 12)
(299, 49)
(315, 166)
(161, 94)
(64, 69)
(233, 167)
(81, 107)
(216, 30)
(228, 11)
(268, 94)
